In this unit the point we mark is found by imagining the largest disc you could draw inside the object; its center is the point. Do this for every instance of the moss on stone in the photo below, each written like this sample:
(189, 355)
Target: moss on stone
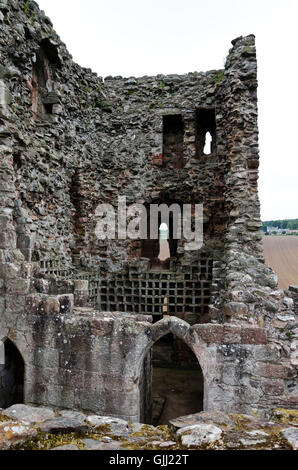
(220, 76)
(149, 435)
(45, 441)
(241, 421)
(4, 418)
(284, 416)
(101, 429)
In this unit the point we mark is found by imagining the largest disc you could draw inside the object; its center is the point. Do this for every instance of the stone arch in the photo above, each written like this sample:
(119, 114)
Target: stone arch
(18, 342)
(185, 332)
(12, 374)
(179, 328)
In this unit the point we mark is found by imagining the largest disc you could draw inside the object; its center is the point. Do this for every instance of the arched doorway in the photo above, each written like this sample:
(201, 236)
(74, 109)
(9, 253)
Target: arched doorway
(11, 376)
(177, 380)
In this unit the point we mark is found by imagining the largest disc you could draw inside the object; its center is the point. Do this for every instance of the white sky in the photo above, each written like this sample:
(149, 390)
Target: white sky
(147, 37)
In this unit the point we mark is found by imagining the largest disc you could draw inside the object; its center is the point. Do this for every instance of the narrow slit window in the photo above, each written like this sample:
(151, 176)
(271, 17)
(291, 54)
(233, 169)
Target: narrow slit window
(205, 131)
(173, 141)
(164, 248)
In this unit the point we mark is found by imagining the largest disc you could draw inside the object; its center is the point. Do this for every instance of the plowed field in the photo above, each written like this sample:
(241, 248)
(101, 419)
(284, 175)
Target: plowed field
(281, 254)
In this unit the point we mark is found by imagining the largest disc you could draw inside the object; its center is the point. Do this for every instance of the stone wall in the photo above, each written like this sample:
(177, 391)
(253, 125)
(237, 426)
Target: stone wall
(77, 141)
(75, 359)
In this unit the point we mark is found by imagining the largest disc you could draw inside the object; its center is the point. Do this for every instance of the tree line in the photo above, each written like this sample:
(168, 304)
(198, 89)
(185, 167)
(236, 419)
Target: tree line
(291, 224)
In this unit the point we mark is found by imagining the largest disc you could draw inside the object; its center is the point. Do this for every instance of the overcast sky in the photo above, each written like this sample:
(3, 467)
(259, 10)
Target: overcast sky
(147, 37)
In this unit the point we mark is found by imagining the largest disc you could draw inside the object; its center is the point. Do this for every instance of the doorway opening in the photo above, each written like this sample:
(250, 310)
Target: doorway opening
(177, 380)
(12, 376)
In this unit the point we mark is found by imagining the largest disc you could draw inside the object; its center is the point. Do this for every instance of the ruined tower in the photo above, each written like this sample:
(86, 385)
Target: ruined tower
(79, 315)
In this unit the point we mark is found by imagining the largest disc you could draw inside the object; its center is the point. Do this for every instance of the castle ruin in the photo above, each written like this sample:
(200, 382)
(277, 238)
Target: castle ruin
(79, 316)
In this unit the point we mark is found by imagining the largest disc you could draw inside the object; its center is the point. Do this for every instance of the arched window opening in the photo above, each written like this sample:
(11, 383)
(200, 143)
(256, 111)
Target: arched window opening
(161, 250)
(208, 144)
(205, 131)
(44, 99)
(12, 375)
(177, 381)
(164, 247)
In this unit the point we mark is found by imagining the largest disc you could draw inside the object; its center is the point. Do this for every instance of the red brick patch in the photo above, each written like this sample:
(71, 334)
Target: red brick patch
(101, 327)
(253, 336)
(275, 371)
(157, 159)
(210, 333)
(232, 335)
(273, 387)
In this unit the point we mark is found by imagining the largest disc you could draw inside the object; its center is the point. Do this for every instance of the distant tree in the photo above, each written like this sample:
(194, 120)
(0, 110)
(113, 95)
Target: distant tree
(291, 224)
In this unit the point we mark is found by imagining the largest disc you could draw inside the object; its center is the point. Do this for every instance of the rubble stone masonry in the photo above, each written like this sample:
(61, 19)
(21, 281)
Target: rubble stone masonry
(81, 311)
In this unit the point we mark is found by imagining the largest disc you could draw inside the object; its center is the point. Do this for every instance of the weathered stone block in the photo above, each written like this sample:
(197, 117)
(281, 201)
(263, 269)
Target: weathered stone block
(46, 357)
(92, 400)
(15, 304)
(209, 333)
(232, 334)
(66, 303)
(2, 305)
(61, 396)
(235, 308)
(30, 414)
(8, 240)
(41, 285)
(81, 296)
(18, 286)
(199, 434)
(274, 387)
(101, 327)
(30, 270)
(70, 377)
(274, 371)
(94, 381)
(81, 285)
(26, 242)
(231, 374)
(36, 392)
(50, 306)
(266, 353)
(80, 360)
(10, 270)
(251, 335)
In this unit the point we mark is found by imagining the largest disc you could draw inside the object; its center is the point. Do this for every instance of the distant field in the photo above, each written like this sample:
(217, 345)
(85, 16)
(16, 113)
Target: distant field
(281, 254)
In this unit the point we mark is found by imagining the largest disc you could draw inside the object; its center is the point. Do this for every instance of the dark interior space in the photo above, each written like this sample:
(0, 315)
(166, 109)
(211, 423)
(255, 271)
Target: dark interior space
(40, 70)
(48, 108)
(154, 249)
(173, 141)
(177, 380)
(11, 376)
(205, 123)
(78, 214)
